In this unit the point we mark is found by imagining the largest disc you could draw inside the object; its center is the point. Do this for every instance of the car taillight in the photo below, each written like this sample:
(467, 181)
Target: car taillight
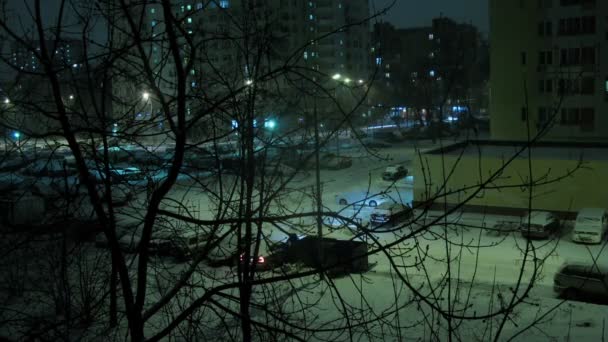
(261, 259)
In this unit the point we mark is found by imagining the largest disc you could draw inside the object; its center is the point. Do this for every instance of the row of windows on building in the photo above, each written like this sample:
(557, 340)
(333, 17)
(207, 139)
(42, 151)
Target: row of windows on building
(585, 55)
(584, 117)
(582, 86)
(569, 26)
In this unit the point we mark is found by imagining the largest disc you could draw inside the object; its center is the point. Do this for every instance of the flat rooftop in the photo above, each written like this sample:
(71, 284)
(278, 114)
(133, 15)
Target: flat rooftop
(540, 150)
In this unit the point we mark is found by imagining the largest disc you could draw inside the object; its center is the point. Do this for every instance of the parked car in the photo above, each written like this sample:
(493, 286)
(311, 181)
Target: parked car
(388, 214)
(121, 194)
(539, 224)
(331, 161)
(277, 170)
(181, 245)
(590, 225)
(361, 198)
(55, 167)
(574, 280)
(228, 253)
(393, 173)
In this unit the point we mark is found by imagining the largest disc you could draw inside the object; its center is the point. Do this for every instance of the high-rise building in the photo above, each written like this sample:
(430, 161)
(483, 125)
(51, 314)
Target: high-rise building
(330, 36)
(549, 69)
(64, 54)
(239, 41)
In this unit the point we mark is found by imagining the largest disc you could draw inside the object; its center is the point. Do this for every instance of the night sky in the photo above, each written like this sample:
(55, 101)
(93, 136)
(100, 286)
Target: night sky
(414, 13)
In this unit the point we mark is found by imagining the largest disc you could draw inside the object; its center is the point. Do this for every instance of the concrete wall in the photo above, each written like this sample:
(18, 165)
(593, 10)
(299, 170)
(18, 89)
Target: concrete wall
(584, 188)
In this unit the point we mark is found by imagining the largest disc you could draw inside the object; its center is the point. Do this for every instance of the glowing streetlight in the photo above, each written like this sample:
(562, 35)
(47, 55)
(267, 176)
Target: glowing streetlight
(248, 82)
(71, 97)
(270, 124)
(145, 96)
(360, 81)
(347, 80)
(336, 77)
(16, 135)
(7, 101)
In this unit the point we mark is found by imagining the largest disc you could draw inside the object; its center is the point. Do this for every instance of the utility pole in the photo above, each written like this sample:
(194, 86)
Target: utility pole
(318, 190)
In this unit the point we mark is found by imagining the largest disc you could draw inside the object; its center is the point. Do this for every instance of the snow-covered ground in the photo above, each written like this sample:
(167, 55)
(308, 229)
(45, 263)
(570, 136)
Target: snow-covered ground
(484, 269)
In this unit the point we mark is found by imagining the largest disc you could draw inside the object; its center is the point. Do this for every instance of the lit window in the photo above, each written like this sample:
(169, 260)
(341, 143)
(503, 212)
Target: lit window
(311, 17)
(378, 60)
(432, 73)
(387, 75)
(189, 20)
(606, 85)
(153, 23)
(431, 36)
(199, 6)
(153, 10)
(224, 3)
(189, 7)
(305, 54)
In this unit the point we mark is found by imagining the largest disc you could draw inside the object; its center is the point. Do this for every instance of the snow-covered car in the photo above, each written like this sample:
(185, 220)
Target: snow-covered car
(539, 224)
(591, 225)
(574, 280)
(56, 167)
(118, 174)
(387, 214)
(395, 172)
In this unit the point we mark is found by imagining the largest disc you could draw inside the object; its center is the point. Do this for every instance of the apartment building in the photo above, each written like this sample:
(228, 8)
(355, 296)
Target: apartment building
(307, 32)
(549, 69)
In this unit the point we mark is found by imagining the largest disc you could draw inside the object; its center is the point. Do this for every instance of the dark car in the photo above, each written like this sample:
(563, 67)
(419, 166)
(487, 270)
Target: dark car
(393, 173)
(331, 161)
(539, 224)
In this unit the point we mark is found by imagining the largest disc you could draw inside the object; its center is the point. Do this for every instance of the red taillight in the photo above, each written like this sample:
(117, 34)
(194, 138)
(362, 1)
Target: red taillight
(261, 259)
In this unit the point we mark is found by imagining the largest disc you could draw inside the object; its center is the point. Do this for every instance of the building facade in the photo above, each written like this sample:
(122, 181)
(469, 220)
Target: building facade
(549, 69)
(239, 42)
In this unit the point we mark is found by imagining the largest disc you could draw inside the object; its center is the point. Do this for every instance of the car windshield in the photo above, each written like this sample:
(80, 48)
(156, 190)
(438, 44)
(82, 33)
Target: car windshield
(587, 233)
(588, 219)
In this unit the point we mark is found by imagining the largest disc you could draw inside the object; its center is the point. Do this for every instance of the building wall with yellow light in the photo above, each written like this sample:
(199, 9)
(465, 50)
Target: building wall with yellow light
(487, 177)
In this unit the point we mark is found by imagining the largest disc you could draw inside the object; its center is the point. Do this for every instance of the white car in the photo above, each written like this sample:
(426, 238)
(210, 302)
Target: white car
(590, 226)
(388, 214)
(361, 198)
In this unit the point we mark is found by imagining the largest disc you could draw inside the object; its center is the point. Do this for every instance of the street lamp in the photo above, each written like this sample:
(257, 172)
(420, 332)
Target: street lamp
(6, 100)
(336, 77)
(145, 96)
(270, 124)
(248, 82)
(347, 80)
